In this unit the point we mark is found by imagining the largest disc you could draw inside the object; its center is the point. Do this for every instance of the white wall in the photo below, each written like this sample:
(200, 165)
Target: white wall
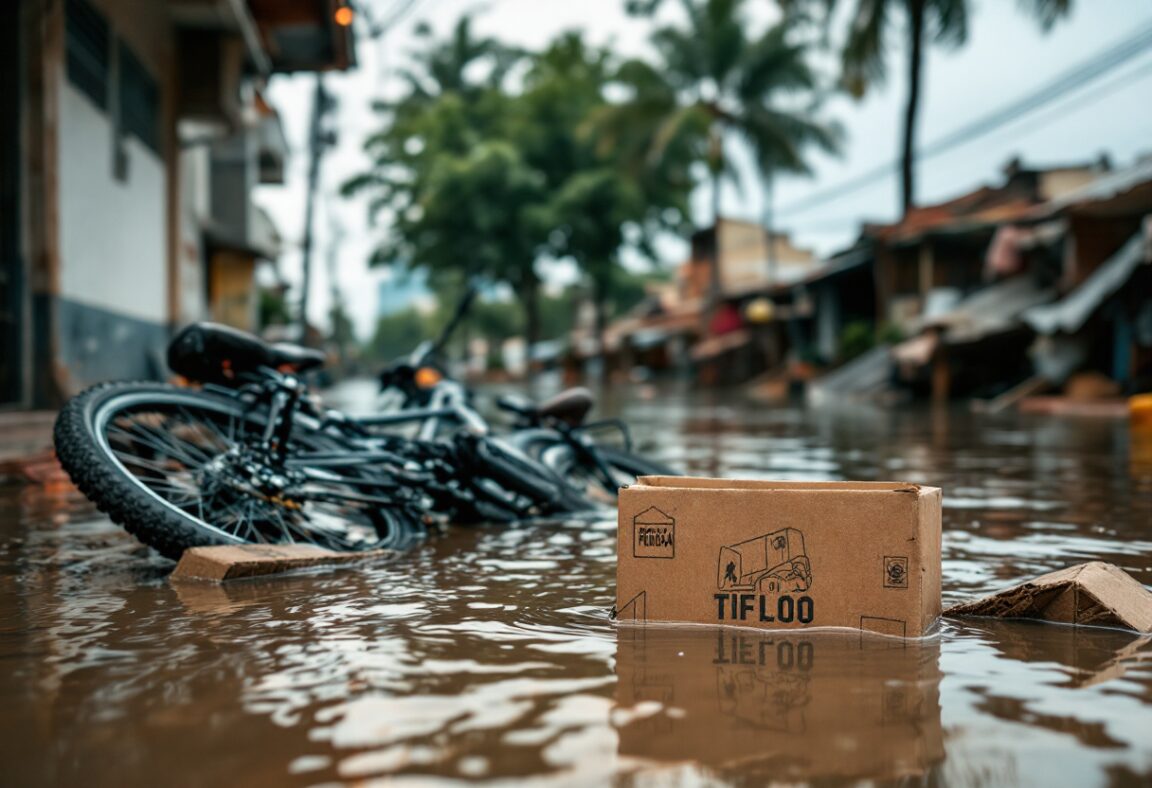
(113, 251)
(194, 210)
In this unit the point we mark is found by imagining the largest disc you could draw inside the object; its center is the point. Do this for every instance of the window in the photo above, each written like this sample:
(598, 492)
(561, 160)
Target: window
(87, 50)
(139, 100)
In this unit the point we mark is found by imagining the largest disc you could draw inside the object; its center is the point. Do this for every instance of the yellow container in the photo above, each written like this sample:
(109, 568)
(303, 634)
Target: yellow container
(1140, 411)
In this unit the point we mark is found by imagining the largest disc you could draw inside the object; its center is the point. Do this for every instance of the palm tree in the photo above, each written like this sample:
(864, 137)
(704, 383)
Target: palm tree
(716, 83)
(442, 66)
(864, 51)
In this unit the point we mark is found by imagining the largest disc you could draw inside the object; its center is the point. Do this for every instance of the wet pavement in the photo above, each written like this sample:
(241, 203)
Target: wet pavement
(487, 653)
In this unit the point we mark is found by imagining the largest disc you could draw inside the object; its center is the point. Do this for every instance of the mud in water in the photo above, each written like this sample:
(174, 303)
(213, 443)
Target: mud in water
(487, 653)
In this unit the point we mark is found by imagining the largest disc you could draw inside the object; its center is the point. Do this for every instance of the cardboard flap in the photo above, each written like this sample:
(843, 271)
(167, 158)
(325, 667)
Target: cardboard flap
(1091, 594)
(701, 483)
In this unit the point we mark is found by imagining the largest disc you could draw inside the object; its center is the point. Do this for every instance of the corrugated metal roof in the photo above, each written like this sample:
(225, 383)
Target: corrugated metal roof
(1071, 313)
(992, 310)
(840, 264)
(1104, 188)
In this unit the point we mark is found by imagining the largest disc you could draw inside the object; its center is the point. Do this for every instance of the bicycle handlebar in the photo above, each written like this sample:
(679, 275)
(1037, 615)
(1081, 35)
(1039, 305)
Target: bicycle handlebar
(457, 316)
(430, 349)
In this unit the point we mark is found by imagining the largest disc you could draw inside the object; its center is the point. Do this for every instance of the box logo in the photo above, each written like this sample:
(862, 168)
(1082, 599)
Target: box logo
(895, 571)
(774, 563)
(653, 534)
(758, 577)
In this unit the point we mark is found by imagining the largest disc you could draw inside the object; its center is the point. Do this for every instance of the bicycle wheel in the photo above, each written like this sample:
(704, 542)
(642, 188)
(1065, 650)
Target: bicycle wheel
(552, 450)
(500, 472)
(180, 468)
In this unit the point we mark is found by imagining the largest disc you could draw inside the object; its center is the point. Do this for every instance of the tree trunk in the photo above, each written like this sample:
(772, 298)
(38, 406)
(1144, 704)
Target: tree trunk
(769, 232)
(912, 109)
(315, 151)
(714, 284)
(601, 290)
(530, 297)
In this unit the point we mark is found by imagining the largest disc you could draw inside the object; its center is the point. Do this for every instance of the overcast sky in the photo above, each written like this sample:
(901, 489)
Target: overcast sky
(1007, 57)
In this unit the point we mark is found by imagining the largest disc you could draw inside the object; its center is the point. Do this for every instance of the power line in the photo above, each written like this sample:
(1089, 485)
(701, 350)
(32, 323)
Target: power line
(1072, 79)
(1123, 81)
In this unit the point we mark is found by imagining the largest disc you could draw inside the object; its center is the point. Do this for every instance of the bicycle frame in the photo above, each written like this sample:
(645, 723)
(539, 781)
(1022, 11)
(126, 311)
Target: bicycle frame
(423, 463)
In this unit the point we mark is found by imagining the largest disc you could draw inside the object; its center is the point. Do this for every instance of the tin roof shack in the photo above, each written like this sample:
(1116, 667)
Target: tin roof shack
(935, 255)
(111, 123)
(834, 314)
(1103, 320)
(749, 331)
(956, 278)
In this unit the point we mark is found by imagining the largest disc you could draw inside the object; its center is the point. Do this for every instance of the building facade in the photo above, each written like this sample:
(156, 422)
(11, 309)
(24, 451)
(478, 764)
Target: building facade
(132, 135)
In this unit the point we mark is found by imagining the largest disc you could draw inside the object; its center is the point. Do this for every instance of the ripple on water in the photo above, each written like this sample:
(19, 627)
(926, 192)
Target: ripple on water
(486, 653)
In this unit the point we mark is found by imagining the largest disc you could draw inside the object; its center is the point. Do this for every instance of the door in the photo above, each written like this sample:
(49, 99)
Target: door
(12, 281)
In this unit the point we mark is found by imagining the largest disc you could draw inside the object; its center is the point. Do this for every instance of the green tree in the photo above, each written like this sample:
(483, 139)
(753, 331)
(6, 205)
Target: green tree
(477, 182)
(397, 334)
(715, 82)
(595, 206)
(865, 49)
(461, 200)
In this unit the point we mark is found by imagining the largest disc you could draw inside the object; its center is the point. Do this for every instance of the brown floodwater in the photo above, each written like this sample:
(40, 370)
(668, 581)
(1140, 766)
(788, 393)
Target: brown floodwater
(487, 653)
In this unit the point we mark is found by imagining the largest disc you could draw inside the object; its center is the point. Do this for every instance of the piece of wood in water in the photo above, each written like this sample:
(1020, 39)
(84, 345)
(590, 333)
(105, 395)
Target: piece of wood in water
(230, 562)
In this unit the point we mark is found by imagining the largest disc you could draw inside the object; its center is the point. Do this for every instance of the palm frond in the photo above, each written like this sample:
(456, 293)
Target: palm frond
(862, 59)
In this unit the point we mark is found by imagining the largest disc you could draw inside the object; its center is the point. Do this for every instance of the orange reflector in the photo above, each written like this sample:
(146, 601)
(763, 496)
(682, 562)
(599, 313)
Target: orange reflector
(344, 16)
(427, 377)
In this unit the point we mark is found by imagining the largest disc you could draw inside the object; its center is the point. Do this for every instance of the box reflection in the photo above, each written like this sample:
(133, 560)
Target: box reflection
(796, 705)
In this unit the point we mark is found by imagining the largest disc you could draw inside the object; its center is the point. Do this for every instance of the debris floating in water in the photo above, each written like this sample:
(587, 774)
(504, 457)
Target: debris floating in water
(231, 562)
(1092, 594)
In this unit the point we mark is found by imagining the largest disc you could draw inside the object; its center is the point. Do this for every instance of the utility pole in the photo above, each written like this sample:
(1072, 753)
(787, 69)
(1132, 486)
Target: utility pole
(318, 141)
(769, 230)
(337, 313)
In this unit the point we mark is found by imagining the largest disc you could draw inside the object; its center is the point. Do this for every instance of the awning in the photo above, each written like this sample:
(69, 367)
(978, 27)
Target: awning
(716, 346)
(916, 351)
(1071, 313)
(844, 263)
(992, 310)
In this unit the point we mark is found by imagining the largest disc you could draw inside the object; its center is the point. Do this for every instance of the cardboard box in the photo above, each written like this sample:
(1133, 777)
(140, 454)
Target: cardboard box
(780, 555)
(779, 707)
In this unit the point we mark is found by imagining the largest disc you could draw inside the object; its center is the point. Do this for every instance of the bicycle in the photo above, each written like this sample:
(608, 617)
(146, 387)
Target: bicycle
(248, 454)
(554, 432)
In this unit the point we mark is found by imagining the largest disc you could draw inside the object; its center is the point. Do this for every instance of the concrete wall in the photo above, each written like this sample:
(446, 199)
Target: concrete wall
(195, 179)
(113, 298)
(744, 257)
(113, 234)
(828, 322)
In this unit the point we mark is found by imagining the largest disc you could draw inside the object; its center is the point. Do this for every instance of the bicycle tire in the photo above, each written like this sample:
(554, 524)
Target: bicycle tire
(507, 465)
(86, 455)
(553, 450)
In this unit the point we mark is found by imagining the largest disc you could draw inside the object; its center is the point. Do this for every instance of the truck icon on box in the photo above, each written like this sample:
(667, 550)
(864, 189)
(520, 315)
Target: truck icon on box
(773, 563)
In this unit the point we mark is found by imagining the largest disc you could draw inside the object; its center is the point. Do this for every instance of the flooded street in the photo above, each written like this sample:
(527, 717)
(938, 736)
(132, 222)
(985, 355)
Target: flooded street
(488, 653)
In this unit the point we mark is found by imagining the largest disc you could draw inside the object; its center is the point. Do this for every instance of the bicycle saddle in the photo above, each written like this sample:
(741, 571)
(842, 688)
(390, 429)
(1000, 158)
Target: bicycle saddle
(212, 353)
(570, 406)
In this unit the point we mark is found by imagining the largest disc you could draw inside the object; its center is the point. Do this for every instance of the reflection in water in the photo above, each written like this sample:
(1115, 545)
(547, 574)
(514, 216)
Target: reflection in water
(786, 705)
(486, 653)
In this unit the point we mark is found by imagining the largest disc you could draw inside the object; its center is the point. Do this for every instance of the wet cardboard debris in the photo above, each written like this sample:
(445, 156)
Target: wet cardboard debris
(780, 555)
(231, 562)
(1092, 594)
